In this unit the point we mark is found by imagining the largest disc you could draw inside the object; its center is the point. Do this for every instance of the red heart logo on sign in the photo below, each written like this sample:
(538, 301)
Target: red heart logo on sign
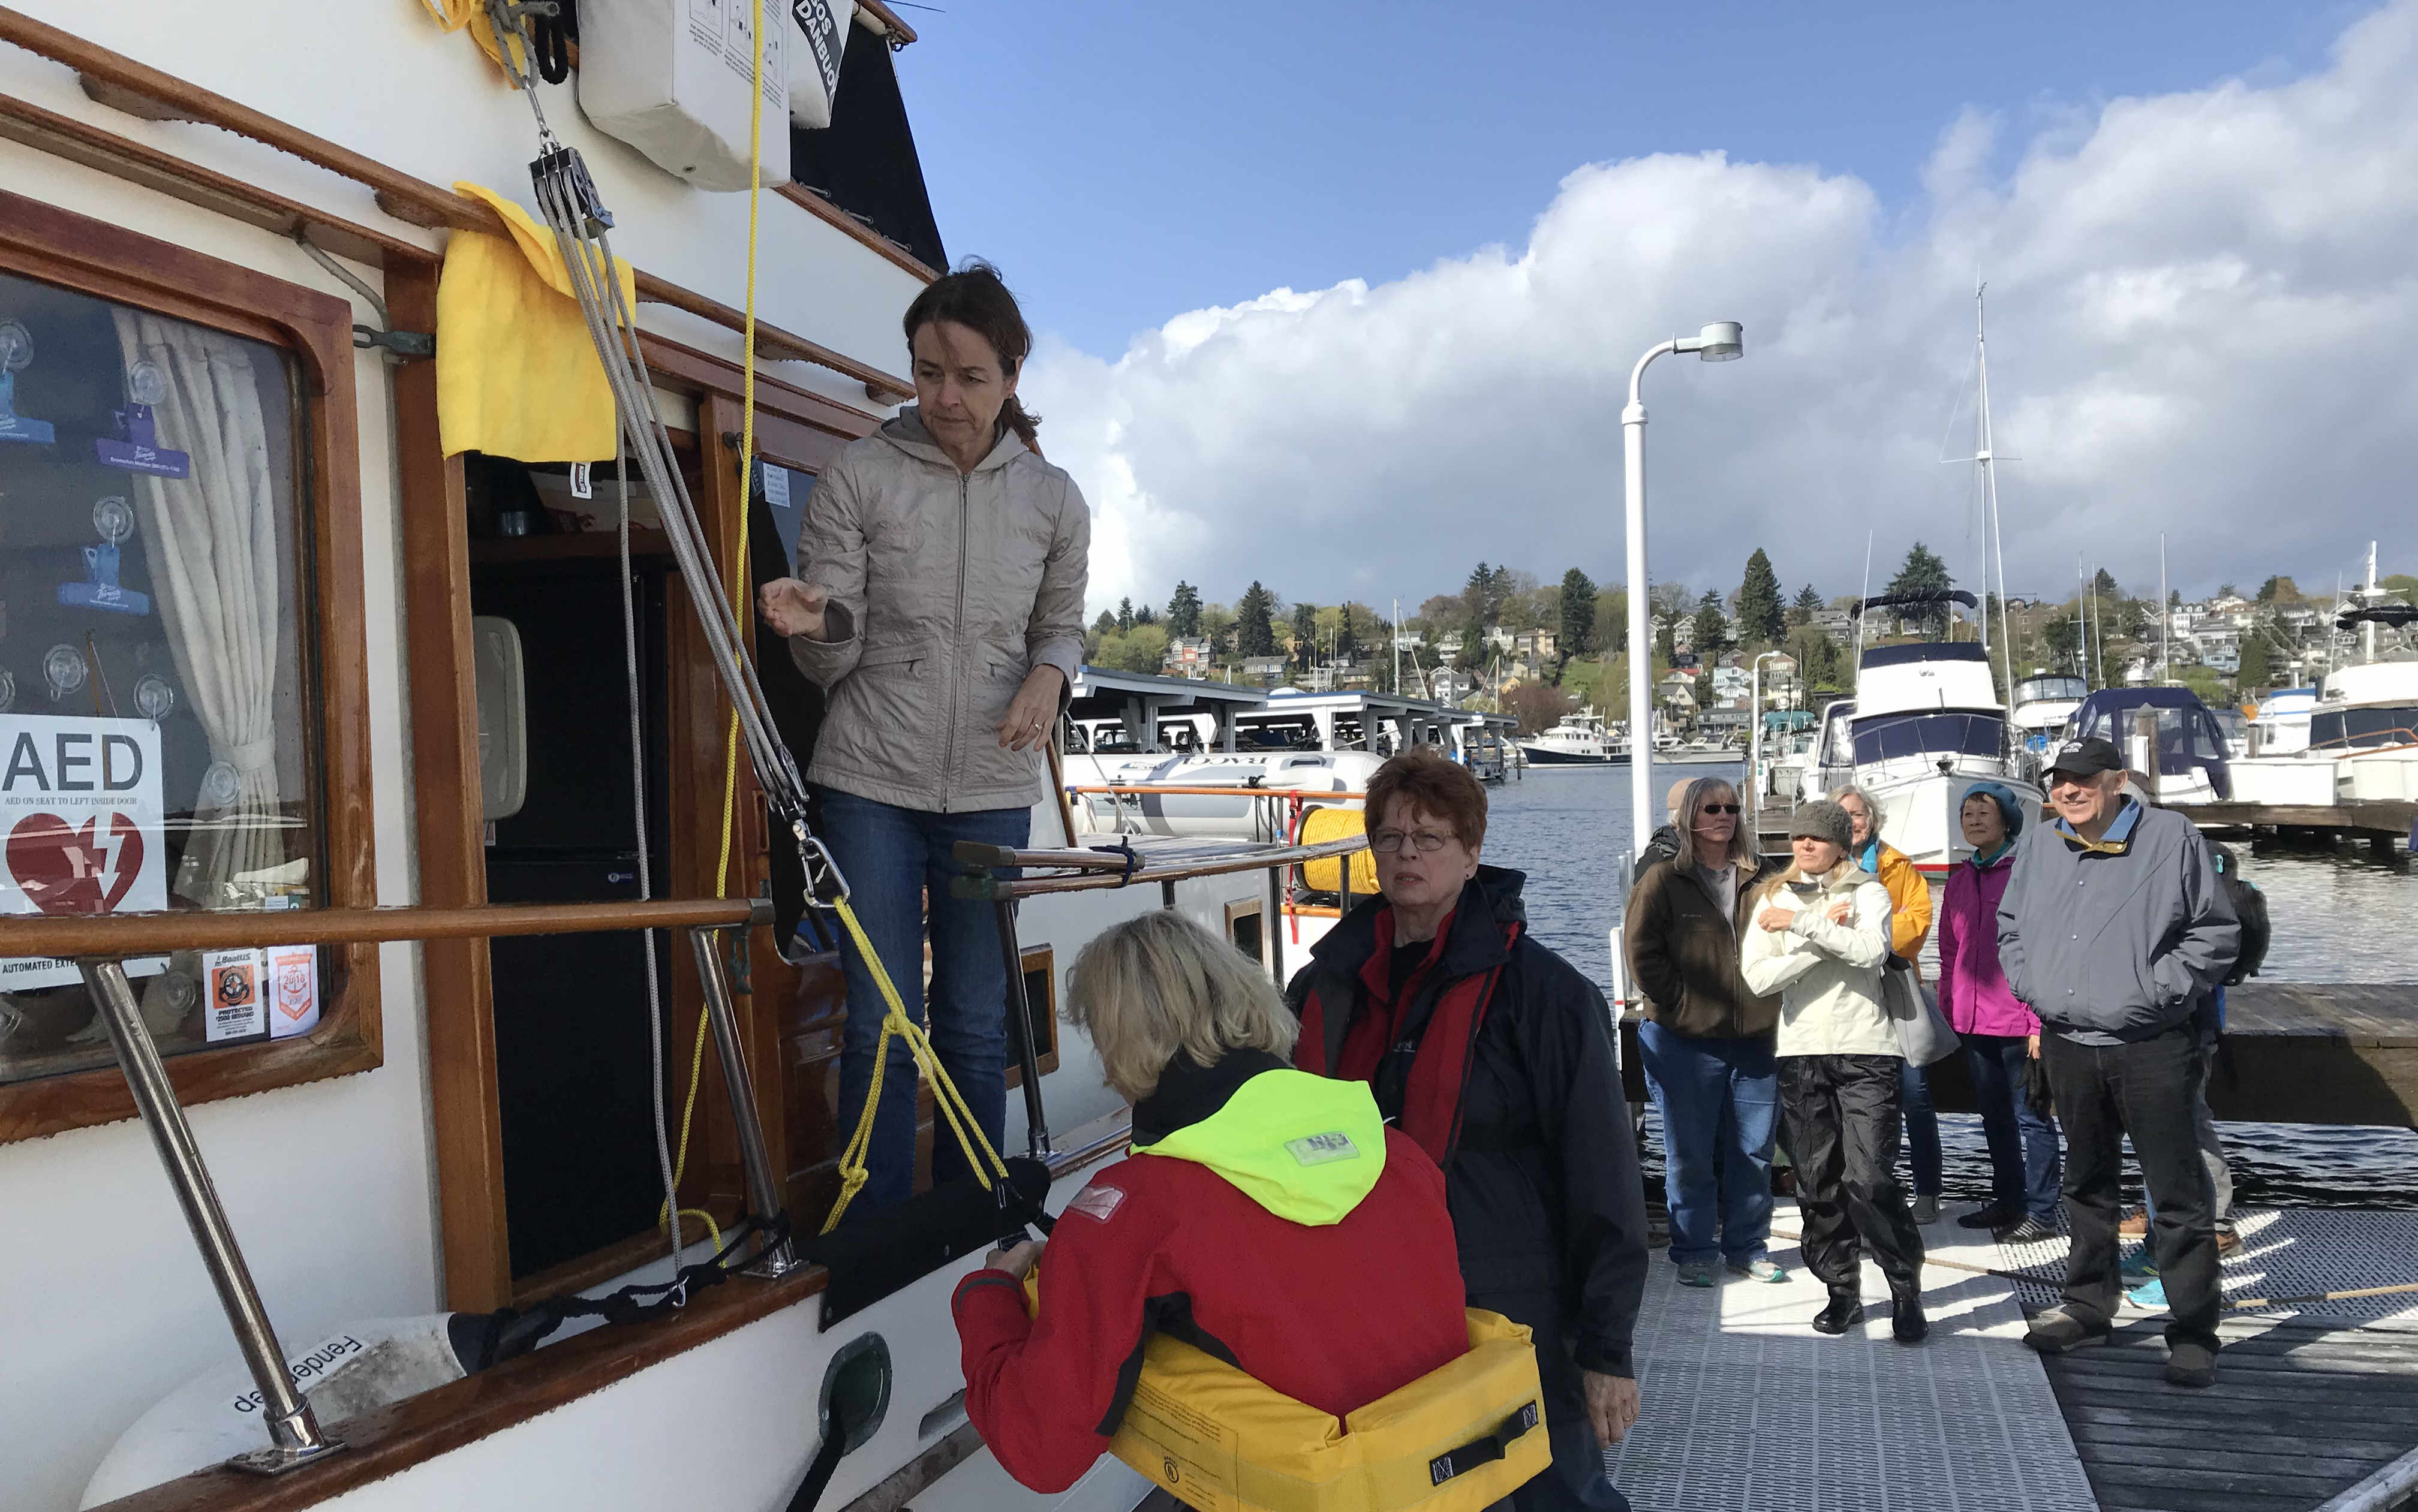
(60, 866)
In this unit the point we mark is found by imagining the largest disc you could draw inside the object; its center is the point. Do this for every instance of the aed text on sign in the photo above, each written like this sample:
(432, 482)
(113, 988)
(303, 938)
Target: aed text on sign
(79, 762)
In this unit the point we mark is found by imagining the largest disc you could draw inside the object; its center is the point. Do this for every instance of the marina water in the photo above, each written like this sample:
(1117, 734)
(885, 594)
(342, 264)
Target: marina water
(2339, 916)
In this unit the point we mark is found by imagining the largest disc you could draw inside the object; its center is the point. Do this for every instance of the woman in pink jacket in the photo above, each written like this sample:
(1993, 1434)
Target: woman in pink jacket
(2000, 1035)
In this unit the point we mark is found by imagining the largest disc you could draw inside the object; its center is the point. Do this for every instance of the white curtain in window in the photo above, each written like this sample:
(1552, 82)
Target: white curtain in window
(212, 541)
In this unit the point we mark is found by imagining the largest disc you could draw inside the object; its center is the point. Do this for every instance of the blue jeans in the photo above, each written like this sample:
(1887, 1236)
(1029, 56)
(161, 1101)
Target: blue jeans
(897, 860)
(2024, 1163)
(1719, 1100)
(1922, 1130)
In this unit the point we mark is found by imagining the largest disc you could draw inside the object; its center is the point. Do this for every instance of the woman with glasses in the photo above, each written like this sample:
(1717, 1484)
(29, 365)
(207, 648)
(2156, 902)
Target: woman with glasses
(1496, 1056)
(1708, 1040)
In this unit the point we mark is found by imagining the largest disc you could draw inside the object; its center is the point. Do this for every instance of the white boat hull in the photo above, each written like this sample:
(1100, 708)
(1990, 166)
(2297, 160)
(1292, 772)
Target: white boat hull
(2285, 781)
(2379, 777)
(1919, 810)
(1245, 815)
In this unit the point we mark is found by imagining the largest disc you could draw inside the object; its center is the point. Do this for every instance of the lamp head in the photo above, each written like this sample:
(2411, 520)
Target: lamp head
(1723, 341)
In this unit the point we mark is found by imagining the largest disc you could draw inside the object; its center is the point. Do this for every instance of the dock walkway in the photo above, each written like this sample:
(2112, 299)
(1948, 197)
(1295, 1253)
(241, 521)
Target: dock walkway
(1746, 1407)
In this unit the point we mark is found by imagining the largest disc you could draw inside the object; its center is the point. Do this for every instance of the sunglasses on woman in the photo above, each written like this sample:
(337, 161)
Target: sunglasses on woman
(1719, 808)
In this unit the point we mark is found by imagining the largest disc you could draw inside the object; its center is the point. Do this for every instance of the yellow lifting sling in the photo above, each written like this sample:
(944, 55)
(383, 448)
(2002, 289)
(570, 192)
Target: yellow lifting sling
(1457, 1439)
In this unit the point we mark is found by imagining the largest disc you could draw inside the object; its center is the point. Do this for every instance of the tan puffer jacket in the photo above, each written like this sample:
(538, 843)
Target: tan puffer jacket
(946, 589)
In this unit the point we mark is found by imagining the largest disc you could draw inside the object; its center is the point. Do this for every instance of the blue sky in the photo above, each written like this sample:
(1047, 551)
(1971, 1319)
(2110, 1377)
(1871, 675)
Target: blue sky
(1123, 163)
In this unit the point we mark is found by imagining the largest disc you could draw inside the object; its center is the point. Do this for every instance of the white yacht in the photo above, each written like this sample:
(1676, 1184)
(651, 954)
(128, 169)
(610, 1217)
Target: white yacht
(331, 1037)
(1580, 739)
(2043, 702)
(1924, 726)
(2366, 721)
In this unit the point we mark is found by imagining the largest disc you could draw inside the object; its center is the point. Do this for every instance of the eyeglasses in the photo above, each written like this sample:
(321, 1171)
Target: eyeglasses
(1387, 842)
(1719, 808)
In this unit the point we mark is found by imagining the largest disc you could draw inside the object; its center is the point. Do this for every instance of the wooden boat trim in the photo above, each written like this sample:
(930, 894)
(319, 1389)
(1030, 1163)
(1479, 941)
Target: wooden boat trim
(154, 933)
(854, 229)
(414, 200)
(411, 1433)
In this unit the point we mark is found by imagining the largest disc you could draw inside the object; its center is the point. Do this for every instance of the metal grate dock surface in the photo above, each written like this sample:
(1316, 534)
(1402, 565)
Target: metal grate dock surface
(1746, 1408)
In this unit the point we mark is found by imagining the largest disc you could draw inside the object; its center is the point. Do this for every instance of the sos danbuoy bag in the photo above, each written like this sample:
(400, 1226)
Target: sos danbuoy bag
(1456, 1440)
(820, 47)
(671, 78)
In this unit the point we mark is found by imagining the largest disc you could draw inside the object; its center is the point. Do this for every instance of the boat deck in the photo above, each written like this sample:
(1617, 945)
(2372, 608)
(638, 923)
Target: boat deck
(1746, 1407)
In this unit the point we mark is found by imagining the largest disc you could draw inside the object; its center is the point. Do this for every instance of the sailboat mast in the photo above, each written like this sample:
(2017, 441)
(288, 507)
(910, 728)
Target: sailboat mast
(2367, 628)
(1985, 456)
(2166, 667)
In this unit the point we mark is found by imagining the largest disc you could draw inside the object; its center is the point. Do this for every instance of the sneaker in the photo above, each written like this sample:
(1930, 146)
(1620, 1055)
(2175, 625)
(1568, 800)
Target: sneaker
(2150, 1297)
(2138, 1268)
(1843, 1313)
(1758, 1269)
(1696, 1273)
(2136, 1225)
(1993, 1218)
(2026, 1229)
(2191, 1365)
(2229, 1243)
(2058, 1332)
(1926, 1211)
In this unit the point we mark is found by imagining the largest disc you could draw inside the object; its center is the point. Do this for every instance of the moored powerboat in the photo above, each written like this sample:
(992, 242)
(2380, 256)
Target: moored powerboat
(1580, 739)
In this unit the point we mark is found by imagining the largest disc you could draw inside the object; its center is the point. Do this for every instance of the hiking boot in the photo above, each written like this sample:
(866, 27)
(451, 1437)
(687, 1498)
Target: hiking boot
(1907, 1325)
(2191, 1365)
(2026, 1229)
(2229, 1243)
(2136, 1225)
(1758, 1269)
(1926, 1210)
(1845, 1311)
(1696, 1273)
(2058, 1332)
(1992, 1218)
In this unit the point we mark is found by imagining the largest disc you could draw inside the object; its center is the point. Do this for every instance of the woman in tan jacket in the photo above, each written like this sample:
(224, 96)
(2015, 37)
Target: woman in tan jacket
(939, 603)
(1820, 934)
(1909, 927)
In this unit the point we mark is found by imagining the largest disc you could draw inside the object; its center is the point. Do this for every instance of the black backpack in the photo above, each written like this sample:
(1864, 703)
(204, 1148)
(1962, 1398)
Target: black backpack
(2250, 907)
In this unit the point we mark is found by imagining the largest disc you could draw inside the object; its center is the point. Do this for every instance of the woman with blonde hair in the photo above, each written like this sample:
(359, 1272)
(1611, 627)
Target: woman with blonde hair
(1820, 934)
(1910, 915)
(1266, 1215)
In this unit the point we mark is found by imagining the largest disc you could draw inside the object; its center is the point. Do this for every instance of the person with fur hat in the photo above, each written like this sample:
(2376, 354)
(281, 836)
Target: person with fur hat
(1819, 937)
(2000, 1035)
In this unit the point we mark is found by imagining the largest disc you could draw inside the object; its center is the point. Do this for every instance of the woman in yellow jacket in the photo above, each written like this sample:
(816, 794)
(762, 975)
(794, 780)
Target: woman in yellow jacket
(1909, 927)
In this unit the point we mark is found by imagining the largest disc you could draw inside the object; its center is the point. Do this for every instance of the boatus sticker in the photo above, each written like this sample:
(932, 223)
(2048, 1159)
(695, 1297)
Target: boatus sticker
(237, 1009)
(1320, 1149)
(1097, 1201)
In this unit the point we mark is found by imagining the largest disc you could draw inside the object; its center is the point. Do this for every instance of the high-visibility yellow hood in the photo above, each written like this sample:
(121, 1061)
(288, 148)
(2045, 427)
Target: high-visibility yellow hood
(1308, 1149)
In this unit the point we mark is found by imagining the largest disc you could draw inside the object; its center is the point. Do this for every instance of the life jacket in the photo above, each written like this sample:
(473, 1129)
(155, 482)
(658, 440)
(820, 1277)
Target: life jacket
(1460, 1438)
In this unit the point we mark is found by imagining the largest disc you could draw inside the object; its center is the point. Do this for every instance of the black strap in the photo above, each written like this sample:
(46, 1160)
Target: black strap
(510, 1332)
(1124, 848)
(1484, 1451)
(818, 1474)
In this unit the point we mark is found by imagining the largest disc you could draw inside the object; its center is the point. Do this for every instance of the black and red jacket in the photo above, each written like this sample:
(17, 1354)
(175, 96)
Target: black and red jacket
(1335, 1313)
(1498, 1061)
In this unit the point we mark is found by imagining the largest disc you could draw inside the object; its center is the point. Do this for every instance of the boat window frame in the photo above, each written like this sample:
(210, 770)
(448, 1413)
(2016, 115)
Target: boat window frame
(67, 249)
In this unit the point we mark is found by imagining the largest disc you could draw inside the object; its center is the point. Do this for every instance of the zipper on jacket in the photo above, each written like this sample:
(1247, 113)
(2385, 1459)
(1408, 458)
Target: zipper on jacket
(957, 631)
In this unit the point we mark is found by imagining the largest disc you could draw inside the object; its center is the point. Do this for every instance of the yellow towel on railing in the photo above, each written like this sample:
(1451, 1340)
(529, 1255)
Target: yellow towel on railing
(517, 374)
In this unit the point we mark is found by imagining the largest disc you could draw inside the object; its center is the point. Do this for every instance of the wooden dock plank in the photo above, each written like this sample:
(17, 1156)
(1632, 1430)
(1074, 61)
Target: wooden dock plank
(2299, 1413)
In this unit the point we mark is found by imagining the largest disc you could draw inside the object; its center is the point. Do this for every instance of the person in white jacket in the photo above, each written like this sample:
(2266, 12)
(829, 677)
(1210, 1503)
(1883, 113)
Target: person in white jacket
(1821, 932)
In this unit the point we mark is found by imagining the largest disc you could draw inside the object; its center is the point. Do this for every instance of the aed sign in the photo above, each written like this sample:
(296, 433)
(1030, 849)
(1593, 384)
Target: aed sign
(81, 825)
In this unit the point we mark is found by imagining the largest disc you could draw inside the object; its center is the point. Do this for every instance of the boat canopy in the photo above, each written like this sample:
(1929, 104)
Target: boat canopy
(1918, 598)
(1880, 738)
(2189, 736)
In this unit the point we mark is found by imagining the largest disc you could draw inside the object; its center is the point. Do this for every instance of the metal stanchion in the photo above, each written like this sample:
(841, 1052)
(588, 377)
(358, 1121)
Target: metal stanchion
(755, 1161)
(1272, 931)
(294, 1434)
(1036, 1118)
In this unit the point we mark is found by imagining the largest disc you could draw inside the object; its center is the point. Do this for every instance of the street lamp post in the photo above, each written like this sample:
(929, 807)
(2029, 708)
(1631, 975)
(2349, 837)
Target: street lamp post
(1720, 341)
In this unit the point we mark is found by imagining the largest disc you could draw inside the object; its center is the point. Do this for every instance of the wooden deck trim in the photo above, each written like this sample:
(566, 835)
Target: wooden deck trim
(855, 230)
(408, 199)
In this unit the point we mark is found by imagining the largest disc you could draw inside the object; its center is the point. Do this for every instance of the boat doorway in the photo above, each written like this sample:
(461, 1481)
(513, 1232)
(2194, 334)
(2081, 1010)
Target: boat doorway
(574, 1061)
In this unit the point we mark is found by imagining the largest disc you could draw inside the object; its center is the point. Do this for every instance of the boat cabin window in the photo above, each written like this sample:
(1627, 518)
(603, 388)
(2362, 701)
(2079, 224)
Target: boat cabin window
(2364, 729)
(157, 696)
(2051, 690)
(1890, 736)
(2185, 736)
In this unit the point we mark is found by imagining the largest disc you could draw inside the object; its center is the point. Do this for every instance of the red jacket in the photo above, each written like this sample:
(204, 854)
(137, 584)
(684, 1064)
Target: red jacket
(1354, 1296)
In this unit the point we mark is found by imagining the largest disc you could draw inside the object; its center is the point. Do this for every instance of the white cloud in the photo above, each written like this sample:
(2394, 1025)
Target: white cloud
(2203, 314)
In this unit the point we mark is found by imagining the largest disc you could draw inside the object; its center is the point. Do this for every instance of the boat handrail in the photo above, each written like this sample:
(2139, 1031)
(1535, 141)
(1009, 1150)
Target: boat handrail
(123, 934)
(1087, 871)
(1210, 790)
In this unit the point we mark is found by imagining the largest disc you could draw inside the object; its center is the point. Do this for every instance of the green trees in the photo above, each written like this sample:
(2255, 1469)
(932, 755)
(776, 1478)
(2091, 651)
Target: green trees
(1711, 629)
(1304, 634)
(2279, 591)
(1255, 632)
(1922, 572)
(1578, 613)
(1808, 604)
(1760, 617)
(1184, 610)
(1125, 614)
(2257, 669)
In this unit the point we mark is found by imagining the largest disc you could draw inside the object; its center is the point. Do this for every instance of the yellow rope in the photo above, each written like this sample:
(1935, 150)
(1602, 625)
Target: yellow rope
(895, 1022)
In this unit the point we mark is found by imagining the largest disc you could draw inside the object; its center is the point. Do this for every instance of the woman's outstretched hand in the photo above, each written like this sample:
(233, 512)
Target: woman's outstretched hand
(793, 608)
(1026, 723)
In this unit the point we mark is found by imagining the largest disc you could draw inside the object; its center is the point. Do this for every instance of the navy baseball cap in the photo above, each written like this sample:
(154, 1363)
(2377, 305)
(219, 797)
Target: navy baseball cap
(2081, 758)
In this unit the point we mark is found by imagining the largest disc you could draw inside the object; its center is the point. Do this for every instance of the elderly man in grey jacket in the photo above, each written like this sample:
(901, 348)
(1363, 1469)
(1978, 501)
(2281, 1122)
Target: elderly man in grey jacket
(2115, 929)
